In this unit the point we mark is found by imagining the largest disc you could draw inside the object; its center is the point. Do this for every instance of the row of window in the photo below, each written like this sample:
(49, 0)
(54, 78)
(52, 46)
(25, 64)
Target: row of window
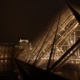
(4, 56)
(4, 49)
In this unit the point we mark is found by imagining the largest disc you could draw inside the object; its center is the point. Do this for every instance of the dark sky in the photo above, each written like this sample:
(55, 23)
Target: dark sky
(26, 18)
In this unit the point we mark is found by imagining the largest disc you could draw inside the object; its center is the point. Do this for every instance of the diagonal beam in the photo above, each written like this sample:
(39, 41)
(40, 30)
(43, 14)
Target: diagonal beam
(76, 14)
(63, 56)
(67, 57)
(53, 45)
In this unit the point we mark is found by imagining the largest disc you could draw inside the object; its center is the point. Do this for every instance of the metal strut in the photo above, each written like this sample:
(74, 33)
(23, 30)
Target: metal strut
(76, 14)
(53, 44)
(42, 45)
(64, 55)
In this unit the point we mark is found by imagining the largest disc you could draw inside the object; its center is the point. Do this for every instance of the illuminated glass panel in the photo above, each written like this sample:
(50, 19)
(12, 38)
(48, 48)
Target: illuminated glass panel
(67, 35)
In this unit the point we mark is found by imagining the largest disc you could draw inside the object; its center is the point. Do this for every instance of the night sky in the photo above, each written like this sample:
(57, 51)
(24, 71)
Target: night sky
(26, 18)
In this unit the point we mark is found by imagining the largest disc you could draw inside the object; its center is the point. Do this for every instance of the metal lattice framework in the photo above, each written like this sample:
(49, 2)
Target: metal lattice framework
(67, 34)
